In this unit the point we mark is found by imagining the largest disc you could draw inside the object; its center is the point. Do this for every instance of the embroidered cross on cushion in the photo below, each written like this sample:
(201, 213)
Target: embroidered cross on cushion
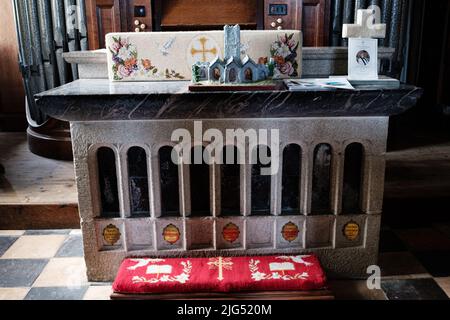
(220, 274)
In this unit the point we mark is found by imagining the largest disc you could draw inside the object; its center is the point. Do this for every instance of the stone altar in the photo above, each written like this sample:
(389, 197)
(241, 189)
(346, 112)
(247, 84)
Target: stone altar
(326, 198)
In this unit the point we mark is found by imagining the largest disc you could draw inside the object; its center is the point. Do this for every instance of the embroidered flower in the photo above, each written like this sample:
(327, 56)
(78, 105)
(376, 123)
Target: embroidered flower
(124, 71)
(276, 275)
(284, 51)
(278, 59)
(263, 60)
(258, 276)
(131, 64)
(116, 47)
(164, 278)
(124, 54)
(123, 42)
(284, 54)
(147, 64)
(182, 278)
(286, 68)
(275, 46)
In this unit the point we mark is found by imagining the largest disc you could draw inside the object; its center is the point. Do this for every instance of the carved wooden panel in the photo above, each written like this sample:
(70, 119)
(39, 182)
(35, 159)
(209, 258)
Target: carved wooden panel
(104, 16)
(213, 14)
(310, 16)
(315, 22)
(291, 19)
(143, 21)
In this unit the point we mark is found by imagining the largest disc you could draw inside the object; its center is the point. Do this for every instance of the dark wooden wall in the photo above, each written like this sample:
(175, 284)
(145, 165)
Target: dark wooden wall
(103, 16)
(315, 22)
(12, 96)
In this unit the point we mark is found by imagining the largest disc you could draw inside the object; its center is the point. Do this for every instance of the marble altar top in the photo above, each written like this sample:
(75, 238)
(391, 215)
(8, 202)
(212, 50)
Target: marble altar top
(100, 99)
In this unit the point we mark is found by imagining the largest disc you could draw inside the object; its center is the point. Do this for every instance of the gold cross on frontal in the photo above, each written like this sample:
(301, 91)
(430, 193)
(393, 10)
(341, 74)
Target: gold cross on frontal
(220, 264)
(203, 50)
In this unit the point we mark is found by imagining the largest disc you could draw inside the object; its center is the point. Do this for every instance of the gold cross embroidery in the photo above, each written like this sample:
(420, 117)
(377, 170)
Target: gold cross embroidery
(220, 264)
(203, 50)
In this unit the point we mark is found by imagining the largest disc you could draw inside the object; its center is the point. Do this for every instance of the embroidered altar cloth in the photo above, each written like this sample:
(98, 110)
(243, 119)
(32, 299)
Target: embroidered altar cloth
(220, 274)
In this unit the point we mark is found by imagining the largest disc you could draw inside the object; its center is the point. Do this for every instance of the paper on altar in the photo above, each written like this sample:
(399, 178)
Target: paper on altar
(322, 84)
(168, 56)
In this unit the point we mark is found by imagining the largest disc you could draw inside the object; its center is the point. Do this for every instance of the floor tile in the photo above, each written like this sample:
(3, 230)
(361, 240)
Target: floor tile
(72, 247)
(355, 290)
(20, 273)
(13, 293)
(63, 272)
(58, 293)
(399, 264)
(46, 232)
(389, 242)
(425, 239)
(5, 243)
(98, 293)
(437, 263)
(35, 247)
(416, 289)
(444, 283)
(12, 233)
(75, 232)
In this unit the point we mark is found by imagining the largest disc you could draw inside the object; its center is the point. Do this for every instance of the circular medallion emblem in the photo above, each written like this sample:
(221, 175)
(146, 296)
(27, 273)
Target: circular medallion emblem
(230, 232)
(171, 234)
(111, 234)
(290, 231)
(351, 231)
(202, 48)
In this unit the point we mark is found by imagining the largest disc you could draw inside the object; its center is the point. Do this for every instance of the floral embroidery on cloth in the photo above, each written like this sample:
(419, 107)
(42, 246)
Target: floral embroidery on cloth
(181, 278)
(279, 269)
(284, 54)
(126, 63)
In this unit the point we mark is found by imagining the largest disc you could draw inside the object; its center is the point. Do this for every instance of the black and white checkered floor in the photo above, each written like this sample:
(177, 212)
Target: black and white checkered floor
(40, 265)
(49, 264)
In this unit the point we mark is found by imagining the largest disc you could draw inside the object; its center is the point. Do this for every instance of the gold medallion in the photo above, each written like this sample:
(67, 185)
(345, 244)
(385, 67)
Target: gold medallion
(111, 234)
(230, 232)
(171, 234)
(290, 231)
(351, 231)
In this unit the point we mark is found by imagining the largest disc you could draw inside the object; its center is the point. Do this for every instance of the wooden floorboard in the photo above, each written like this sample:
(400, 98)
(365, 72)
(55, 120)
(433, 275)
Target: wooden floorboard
(35, 192)
(30, 179)
(36, 216)
(418, 172)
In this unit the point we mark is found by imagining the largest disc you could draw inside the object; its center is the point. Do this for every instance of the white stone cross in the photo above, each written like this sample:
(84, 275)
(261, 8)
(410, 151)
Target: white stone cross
(365, 27)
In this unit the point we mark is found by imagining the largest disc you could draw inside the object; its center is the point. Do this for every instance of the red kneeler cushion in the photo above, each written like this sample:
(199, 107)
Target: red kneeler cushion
(231, 274)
